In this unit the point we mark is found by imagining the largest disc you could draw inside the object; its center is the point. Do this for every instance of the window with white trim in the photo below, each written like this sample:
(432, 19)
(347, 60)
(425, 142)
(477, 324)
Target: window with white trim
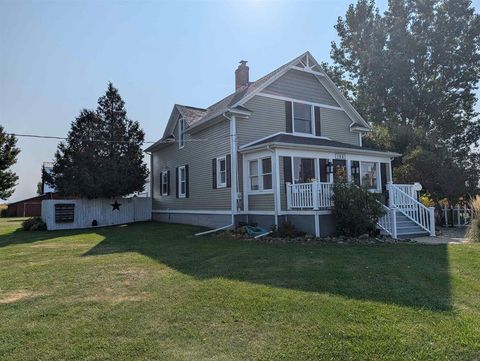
(182, 182)
(165, 183)
(369, 174)
(260, 175)
(181, 133)
(302, 118)
(221, 172)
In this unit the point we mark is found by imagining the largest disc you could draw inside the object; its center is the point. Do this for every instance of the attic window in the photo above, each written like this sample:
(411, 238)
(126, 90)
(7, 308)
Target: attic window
(302, 118)
(181, 133)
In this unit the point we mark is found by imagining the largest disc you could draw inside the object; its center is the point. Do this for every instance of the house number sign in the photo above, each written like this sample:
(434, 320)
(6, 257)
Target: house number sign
(340, 156)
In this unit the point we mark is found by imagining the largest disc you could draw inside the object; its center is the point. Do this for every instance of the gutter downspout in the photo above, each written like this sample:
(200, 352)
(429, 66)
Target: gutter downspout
(233, 176)
(234, 165)
(151, 182)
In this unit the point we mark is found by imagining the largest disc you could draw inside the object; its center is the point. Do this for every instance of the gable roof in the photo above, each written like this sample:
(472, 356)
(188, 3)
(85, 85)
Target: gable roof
(235, 101)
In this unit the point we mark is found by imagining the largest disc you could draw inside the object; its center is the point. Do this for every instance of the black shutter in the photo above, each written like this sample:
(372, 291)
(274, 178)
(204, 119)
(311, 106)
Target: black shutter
(288, 116)
(176, 182)
(214, 173)
(187, 180)
(161, 183)
(318, 130)
(287, 170)
(322, 166)
(168, 182)
(228, 160)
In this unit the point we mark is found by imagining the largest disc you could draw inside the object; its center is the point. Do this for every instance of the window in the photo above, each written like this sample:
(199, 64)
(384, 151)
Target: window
(164, 189)
(266, 172)
(260, 174)
(181, 133)
(303, 170)
(369, 175)
(221, 172)
(182, 184)
(302, 118)
(253, 174)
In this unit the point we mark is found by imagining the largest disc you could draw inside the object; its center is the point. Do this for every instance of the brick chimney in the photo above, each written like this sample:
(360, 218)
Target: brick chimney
(241, 75)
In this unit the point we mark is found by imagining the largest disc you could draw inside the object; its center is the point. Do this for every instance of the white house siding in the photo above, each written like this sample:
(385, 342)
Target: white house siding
(260, 202)
(335, 124)
(198, 155)
(302, 86)
(267, 118)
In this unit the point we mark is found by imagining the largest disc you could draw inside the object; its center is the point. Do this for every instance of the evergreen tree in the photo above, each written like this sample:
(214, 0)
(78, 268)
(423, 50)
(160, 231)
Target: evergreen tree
(102, 156)
(413, 71)
(8, 157)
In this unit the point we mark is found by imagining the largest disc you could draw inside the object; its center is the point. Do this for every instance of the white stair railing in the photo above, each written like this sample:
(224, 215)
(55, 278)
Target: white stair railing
(411, 208)
(388, 222)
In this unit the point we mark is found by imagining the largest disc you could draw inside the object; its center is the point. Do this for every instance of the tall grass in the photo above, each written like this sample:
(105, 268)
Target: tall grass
(473, 233)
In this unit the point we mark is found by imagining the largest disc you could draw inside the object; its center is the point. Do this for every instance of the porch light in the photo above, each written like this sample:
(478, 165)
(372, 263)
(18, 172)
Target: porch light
(329, 168)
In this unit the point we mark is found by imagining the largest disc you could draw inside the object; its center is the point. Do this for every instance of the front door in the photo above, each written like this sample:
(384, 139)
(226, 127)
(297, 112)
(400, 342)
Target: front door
(339, 170)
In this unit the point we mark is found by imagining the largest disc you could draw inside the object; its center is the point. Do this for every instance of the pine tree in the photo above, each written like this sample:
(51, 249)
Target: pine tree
(8, 157)
(102, 156)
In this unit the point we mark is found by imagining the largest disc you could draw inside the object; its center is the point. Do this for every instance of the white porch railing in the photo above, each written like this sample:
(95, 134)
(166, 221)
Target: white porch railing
(313, 195)
(410, 207)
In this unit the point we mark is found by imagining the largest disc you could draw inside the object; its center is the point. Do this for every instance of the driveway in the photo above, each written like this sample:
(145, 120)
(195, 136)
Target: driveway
(455, 235)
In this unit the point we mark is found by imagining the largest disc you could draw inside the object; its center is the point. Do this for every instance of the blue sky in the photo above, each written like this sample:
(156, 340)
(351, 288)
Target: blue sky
(56, 57)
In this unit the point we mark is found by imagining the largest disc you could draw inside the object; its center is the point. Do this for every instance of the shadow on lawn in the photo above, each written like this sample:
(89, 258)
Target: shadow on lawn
(408, 275)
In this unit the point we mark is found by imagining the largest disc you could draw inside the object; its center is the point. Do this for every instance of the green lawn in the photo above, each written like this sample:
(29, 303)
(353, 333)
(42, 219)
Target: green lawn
(153, 291)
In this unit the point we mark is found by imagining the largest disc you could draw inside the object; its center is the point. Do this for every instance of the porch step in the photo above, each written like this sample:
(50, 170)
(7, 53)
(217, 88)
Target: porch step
(406, 228)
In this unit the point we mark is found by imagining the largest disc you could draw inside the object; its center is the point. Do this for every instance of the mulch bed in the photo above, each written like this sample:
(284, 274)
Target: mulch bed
(240, 234)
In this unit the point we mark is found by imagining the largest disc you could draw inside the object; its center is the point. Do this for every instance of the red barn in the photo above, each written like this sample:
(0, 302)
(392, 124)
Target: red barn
(30, 207)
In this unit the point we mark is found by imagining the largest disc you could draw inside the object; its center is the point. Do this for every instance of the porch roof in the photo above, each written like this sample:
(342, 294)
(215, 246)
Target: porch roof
(287, 139)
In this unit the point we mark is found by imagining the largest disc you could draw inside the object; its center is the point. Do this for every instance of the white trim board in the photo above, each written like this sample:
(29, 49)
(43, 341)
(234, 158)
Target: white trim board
(191, 211)
(281, 97)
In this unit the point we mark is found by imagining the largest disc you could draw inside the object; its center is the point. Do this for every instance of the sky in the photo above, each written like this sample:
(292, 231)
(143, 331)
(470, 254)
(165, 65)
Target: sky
(57, 57)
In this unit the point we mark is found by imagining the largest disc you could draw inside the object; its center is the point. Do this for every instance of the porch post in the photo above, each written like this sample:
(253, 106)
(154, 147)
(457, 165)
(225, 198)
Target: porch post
(276, 185)
(289, 196)
(390, 194)
(394, 222)
(349, 170)
(315, 195)
(432, 221)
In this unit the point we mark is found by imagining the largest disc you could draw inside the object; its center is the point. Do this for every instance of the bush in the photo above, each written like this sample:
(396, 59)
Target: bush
(287, 230)
(34, 224)
(356, 210)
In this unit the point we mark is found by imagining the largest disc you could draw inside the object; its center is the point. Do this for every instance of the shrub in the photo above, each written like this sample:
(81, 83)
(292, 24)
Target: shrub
(356, 210)
(287, 230)
(34, 224)
(473, 233)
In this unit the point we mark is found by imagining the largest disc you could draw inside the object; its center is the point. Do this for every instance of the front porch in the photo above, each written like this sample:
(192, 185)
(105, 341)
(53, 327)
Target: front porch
(283, 179)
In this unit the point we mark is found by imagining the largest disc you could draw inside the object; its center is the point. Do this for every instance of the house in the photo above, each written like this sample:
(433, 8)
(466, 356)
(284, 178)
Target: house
(269, 152)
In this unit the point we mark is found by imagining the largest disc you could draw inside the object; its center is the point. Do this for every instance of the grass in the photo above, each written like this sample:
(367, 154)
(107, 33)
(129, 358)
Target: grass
(153, 291)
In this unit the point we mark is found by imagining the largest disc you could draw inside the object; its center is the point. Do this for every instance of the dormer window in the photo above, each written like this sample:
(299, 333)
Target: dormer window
(302, 118)
(181, 133)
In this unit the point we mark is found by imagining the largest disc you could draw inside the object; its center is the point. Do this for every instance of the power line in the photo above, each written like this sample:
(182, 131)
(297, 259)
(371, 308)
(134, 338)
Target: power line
(106, 140)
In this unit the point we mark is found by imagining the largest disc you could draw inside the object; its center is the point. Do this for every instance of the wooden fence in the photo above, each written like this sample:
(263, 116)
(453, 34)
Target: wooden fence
(457, 216)
(84, 213)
